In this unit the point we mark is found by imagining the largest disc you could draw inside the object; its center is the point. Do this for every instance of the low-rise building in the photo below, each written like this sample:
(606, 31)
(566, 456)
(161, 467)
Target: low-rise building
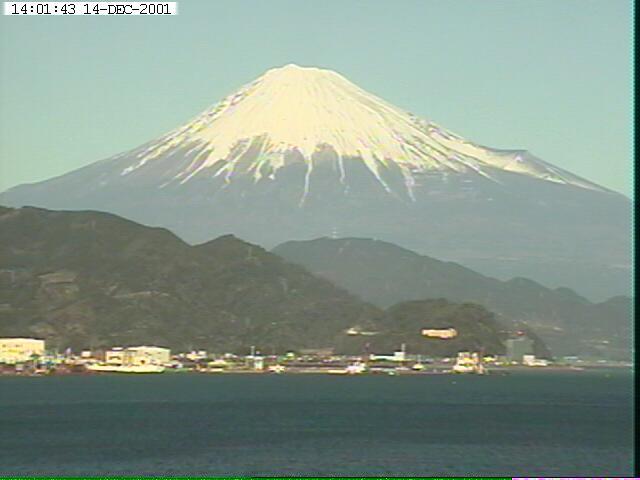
(258, 363)
(218, 363)
(317, 352)
(115, 356)
(196, 355)
(400, 355)
(517, 348)
(146, 355)
(397, 356)
(142, 355)
(16, 350)
(358, 331)
(442, 333)
(532, 361)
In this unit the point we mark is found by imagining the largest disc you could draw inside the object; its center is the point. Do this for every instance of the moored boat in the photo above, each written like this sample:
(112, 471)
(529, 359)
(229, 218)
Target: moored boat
(104, 368)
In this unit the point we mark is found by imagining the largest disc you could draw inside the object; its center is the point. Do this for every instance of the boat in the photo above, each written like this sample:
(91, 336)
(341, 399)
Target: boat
(353, 369)
(104, 368)
(463, 369)
(212, 370)
(469, 363)
(337, 371)
(356, 368)
(476, 369)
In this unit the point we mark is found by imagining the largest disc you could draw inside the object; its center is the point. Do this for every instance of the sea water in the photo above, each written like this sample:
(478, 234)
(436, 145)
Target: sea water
(538, 423)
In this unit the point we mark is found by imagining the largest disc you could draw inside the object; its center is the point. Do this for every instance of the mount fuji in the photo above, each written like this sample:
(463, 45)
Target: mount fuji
(301, 153)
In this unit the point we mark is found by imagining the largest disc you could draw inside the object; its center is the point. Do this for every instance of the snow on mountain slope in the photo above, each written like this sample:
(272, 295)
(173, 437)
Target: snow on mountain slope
(302, 152)
(310, 111)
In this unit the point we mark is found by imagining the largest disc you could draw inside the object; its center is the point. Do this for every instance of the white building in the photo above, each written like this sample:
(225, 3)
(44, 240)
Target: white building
(115, 356)
(532, 361)
(258, 363)
(443, 333)
(145, 355)
(15, 350)
(142, 355)
(196, 355)
(399, 356)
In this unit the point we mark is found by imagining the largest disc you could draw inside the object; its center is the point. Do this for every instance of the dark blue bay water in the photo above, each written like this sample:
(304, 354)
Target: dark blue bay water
(523, 424)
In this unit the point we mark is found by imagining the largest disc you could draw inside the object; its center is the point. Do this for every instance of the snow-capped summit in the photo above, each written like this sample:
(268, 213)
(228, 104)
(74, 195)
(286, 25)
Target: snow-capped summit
(301, 153)
(311, 111)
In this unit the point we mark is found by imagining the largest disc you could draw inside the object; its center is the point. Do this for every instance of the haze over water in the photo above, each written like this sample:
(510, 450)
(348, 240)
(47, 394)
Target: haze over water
(522, 424)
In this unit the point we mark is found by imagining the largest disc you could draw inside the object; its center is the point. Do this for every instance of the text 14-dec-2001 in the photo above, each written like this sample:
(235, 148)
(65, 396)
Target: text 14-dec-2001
(90, 8)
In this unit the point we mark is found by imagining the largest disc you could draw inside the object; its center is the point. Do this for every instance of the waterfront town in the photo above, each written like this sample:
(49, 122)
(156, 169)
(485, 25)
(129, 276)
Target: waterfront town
(30, 357)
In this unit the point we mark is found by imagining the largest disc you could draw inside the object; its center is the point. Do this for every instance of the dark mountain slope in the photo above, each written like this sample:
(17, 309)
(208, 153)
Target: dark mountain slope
(385, 274)
(90, 279)
(477, 328)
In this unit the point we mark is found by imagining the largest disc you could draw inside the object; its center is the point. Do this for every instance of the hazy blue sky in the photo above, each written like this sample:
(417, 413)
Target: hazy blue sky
(551, 76)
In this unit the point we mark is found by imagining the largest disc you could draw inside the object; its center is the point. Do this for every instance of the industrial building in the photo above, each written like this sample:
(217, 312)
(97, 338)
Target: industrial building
(142, 355)
(517, 348)
(16, 350)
